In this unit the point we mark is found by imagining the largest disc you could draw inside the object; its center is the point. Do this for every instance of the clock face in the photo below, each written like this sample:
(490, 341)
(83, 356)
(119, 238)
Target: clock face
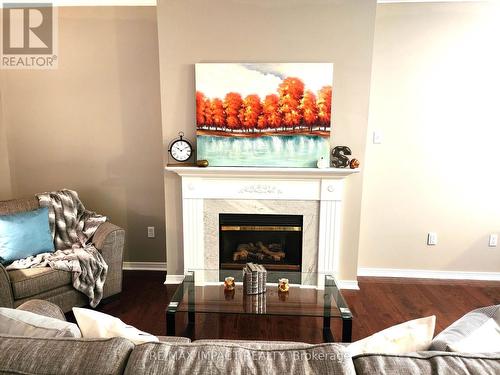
(180, 150)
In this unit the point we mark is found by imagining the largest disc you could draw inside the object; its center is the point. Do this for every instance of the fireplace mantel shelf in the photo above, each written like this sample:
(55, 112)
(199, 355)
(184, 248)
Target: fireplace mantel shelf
(228, 172)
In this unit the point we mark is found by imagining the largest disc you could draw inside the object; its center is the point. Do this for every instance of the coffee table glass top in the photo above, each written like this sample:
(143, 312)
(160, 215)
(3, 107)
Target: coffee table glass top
(201, 292)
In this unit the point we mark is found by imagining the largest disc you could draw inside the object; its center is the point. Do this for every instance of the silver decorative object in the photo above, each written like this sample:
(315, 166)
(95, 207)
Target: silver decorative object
(254, 279)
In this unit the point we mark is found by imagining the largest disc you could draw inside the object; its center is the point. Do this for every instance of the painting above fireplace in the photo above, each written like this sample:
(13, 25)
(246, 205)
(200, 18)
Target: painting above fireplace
(263, 114)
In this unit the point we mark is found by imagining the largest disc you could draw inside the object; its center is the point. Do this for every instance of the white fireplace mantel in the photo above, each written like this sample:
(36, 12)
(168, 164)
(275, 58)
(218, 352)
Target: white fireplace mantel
(252, 183)
(185, 171)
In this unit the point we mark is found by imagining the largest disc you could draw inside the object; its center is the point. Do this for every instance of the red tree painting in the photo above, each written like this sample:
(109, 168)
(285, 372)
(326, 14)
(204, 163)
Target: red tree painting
(263, 114)
(292, 110)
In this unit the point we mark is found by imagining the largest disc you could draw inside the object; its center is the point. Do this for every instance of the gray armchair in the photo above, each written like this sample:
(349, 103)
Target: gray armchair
(20, 286)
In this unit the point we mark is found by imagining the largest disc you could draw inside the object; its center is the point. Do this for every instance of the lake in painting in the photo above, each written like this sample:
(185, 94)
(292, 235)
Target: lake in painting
(267, 151)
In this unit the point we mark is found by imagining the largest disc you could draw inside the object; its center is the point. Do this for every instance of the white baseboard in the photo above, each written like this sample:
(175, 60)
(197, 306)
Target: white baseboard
(428, 274)
(145, 266)
(348, 284)
(174, 279)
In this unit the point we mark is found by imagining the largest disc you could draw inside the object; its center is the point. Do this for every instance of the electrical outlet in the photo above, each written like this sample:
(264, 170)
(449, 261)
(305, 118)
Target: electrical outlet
(151, 232)
(493, 240)
(432, 238)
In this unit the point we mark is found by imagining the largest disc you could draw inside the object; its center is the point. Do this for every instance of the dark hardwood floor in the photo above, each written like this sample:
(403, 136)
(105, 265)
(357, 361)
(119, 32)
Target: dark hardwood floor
(381, 302)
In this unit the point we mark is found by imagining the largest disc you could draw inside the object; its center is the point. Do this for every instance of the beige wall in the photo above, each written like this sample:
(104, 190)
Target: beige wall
(338, 31)
(94, 124)
(435, 96)
(5, 186)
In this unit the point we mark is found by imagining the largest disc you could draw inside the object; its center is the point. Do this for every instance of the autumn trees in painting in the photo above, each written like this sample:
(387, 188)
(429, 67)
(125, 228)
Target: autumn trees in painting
(293, 109)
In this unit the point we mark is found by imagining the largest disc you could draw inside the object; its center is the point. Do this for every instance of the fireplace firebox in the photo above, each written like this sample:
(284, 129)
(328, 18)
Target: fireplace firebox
(275, 241)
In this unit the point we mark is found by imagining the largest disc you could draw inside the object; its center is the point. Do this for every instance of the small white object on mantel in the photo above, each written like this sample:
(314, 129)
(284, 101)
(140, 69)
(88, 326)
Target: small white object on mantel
(323, 163)
(323, 185)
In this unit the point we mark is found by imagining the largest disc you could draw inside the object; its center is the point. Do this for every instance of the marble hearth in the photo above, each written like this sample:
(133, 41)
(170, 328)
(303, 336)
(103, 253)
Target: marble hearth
(314, 193)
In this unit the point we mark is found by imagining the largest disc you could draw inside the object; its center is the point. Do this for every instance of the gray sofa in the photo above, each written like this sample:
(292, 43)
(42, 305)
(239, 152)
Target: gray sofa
(24, 355)
(19, 286)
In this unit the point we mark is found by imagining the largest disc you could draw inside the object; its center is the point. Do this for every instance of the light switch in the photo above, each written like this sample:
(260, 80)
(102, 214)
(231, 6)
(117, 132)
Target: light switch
(377, 137)
(493, 240)
(151, 232)
(432, 238)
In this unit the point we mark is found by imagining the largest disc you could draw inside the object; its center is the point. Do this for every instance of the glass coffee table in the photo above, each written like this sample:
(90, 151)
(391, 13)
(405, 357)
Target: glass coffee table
(204, 297)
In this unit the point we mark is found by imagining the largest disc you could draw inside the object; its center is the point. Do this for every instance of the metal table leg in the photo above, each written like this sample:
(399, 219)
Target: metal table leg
(188, 283)
(332, 292)
(346, 329)
(172, 307)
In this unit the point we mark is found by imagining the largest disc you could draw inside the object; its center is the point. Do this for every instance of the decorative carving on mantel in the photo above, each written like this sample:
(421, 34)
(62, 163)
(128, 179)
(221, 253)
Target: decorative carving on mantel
(260, 189)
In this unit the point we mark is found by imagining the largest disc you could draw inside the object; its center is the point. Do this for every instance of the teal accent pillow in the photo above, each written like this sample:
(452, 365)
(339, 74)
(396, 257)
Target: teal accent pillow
(25, 234)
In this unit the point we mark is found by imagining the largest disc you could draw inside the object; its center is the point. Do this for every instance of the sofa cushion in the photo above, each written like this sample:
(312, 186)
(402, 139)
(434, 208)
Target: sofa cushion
(477, 331)
(32, 281)
(427, 363)
(66, 297)
(44, 308)
(23, 355)
(225, 358)
(24, 234)
(25, 323)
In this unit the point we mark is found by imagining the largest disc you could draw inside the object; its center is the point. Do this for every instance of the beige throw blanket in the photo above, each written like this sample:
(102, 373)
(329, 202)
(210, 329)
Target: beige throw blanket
(72, 226)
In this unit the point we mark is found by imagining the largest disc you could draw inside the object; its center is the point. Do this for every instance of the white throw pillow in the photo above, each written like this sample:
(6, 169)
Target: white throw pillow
(478, 331)
(94, 324)
(411, 336)
(485, 339)
(27, 324)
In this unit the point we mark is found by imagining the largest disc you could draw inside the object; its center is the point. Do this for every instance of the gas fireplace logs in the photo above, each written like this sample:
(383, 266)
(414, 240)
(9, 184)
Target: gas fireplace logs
(254, 279)
(259, 251)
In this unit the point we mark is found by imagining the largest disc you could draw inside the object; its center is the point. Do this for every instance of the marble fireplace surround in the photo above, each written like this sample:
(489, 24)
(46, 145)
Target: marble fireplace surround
(316, 194)
(308, 209)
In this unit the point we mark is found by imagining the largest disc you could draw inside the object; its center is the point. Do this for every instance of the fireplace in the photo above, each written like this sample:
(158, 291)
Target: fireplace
(275, 241)
(315, 194)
